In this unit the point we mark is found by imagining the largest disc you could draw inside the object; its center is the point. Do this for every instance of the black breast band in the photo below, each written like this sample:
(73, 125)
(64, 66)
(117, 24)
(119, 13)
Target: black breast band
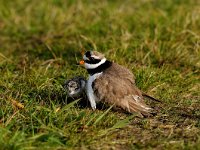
(100, 68)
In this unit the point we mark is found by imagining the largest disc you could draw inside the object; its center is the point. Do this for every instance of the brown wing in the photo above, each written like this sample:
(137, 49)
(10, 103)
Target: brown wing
(121, 91)
(118, 71)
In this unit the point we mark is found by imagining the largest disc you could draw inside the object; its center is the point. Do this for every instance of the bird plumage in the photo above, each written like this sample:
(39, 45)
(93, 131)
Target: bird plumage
(117, 86)
(75, 87)
(113, 84)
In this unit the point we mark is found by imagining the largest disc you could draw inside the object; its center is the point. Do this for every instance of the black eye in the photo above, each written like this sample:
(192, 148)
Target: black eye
(93, 61)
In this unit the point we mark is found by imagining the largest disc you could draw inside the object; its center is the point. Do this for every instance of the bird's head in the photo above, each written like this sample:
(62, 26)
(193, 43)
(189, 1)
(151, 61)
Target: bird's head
(92, 59)
(75, 86)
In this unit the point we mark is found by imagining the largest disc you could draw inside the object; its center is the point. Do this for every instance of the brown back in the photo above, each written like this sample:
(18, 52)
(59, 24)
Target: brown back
(117, 86)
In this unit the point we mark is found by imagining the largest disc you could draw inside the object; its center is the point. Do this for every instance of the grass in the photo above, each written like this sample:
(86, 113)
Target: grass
(159, 40)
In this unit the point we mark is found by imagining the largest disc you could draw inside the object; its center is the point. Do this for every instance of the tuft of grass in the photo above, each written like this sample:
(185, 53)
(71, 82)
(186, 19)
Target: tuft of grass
(40, 44)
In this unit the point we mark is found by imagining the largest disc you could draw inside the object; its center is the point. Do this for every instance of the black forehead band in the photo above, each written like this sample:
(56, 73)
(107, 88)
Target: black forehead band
(88, 54)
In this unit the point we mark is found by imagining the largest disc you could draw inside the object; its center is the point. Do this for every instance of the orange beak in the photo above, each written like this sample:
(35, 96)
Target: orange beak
(81, 62)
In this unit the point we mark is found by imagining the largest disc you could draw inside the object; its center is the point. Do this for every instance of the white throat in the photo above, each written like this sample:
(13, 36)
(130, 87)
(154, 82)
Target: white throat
(90, 93)
(93, 66)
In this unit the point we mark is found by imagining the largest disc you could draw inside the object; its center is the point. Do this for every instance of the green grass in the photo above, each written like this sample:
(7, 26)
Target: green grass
(40, 41)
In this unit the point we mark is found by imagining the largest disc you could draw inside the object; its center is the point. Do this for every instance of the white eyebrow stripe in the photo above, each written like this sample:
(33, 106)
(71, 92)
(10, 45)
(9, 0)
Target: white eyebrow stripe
(94, 56)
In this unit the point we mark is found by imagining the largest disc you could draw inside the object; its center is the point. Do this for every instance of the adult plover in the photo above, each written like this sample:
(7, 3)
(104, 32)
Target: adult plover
(113, 84)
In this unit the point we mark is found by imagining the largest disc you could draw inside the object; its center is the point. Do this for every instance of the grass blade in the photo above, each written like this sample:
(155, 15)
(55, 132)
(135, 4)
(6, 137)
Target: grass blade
(101, 116)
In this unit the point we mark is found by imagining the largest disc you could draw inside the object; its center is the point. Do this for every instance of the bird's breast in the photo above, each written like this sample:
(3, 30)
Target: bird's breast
(89, 88)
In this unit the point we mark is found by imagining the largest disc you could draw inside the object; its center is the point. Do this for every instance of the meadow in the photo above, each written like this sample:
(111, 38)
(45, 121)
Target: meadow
(40, 45)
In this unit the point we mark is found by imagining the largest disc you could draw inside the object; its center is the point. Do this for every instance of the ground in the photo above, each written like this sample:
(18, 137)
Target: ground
(40, 45)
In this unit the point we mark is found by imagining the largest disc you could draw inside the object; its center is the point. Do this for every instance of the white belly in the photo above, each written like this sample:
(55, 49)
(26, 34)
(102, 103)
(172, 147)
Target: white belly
(90, 93)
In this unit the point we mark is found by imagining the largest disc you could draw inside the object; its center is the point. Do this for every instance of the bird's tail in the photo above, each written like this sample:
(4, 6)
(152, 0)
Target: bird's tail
(139, 107)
